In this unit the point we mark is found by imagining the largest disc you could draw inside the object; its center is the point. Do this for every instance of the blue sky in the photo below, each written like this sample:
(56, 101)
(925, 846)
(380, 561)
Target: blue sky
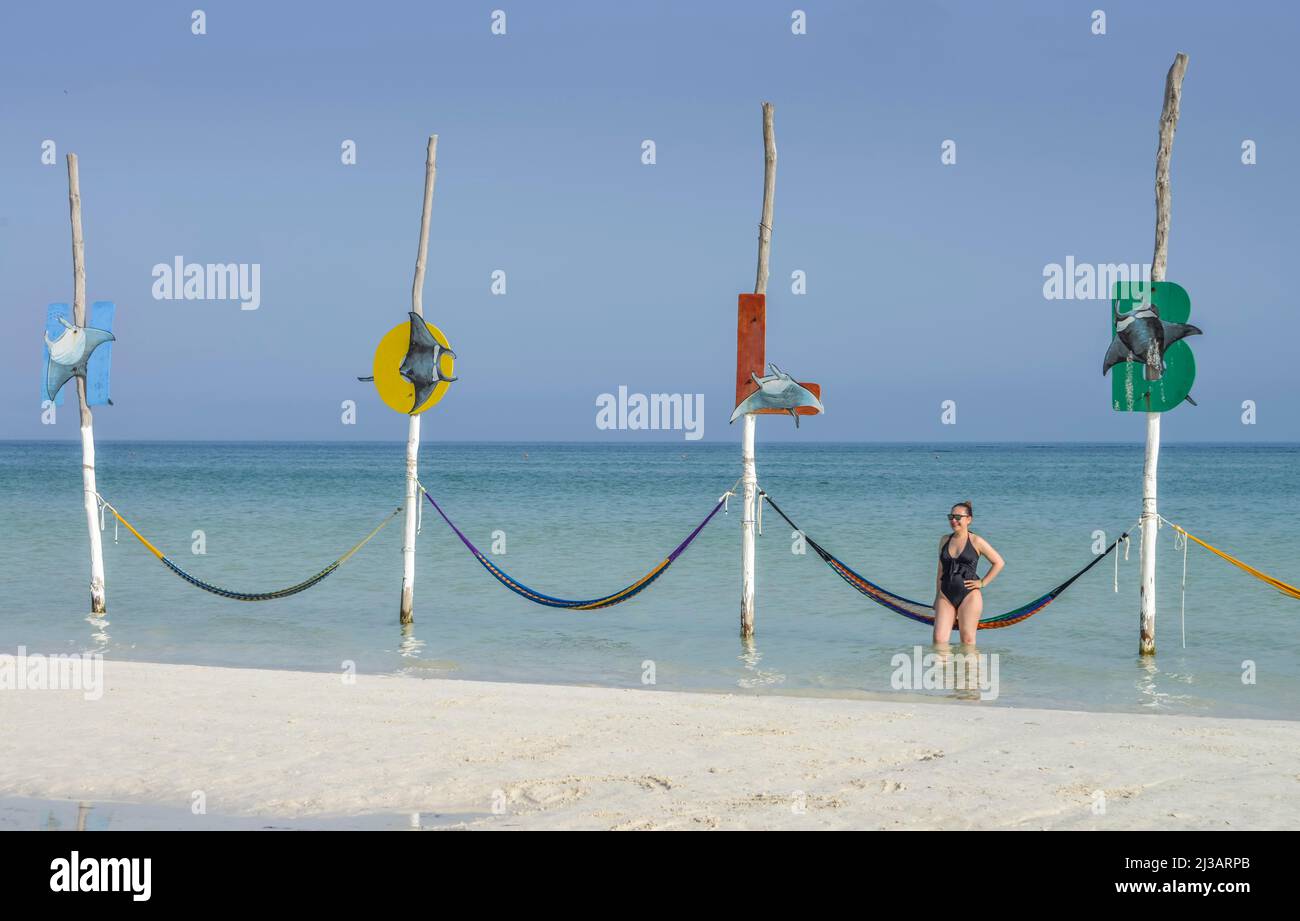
(924, 281)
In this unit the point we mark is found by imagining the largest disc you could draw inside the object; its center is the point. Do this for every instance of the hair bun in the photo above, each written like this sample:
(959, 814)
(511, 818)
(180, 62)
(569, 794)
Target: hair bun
(970, 509)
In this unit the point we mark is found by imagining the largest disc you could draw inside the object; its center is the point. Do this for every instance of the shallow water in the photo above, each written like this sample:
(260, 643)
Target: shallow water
(25, 814)
(582, 520)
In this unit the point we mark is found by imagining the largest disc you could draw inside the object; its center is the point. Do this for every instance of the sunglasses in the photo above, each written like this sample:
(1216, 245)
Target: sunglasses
(952, 517)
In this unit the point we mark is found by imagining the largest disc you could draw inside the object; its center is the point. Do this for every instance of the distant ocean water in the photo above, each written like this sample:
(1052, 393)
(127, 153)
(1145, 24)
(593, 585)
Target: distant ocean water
(582, 520)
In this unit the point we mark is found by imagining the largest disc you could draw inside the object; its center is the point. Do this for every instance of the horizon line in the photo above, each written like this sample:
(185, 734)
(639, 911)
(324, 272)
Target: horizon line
(606, 443)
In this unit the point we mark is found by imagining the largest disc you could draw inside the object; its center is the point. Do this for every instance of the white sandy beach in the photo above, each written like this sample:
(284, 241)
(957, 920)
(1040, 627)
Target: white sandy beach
(294, 744)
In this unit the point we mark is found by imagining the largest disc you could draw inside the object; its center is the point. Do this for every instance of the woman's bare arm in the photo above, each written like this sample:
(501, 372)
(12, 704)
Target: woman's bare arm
(996, 563)
(938, 573)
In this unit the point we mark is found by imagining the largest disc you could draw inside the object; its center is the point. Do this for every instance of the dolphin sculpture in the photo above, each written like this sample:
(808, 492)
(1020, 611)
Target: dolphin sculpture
(69, 354)
(1142, 336)
(422, 366)
(778, 390)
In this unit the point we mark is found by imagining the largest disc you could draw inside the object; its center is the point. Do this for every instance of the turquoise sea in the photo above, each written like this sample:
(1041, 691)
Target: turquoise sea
(582, 520)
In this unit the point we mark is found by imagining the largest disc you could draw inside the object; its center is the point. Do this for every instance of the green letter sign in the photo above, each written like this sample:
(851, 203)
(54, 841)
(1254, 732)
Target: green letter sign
(1153, 364)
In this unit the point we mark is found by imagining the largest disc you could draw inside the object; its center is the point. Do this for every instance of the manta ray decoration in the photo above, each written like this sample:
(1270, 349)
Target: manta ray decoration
(1141, 336)
(421, 365)
(69, 354)
(778, 390)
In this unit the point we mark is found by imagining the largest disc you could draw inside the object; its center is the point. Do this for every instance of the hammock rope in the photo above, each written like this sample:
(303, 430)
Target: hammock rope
(1180, 543)
(922, 612)
(245, 596)
(591, 604)
(1289, 590)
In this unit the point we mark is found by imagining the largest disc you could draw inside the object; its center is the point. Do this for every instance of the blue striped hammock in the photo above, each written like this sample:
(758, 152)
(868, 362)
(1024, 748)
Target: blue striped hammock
(592, 604)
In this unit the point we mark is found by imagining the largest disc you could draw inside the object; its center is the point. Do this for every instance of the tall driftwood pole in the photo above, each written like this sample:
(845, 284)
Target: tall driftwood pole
(749, 477)
(1168, 125)
(413, 431)
(98, 603)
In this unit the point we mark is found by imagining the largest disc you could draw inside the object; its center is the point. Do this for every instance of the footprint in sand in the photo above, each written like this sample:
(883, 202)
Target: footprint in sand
(545, 793)
(883, 786)
(758, 731)
(650, 782)
(635, 825)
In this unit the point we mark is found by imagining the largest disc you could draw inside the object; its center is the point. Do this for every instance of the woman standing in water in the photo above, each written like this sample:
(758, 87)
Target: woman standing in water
(957, 588)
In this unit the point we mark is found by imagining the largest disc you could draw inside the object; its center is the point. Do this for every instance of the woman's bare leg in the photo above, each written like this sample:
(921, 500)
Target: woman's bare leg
(968, 616)
(944, 615)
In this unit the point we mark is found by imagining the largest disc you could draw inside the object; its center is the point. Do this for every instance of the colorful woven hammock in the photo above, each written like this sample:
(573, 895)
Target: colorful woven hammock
(246, 596)
(593, 604)
(924, 613)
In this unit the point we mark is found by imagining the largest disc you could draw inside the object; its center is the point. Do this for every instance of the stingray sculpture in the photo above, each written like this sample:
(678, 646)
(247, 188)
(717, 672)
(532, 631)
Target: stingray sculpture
(69, 354)
(778, 390)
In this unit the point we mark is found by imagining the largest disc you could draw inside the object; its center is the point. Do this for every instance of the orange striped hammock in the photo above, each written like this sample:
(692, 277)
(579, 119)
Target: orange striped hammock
(1286, 589)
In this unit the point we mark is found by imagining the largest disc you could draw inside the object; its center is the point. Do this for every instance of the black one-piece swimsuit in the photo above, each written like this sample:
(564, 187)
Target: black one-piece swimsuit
(956, 570)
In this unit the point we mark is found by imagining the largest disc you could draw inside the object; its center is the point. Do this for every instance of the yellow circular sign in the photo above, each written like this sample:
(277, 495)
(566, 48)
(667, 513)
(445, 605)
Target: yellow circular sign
(396, 390)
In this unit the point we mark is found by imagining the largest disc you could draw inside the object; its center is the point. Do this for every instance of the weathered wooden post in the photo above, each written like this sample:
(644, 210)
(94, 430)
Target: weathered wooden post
(749, 472)
(98, 603)
(413, 430)
(1150, 520)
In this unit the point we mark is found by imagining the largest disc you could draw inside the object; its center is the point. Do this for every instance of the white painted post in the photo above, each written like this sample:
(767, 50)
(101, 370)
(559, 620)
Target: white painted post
(413, 429)
(1147, 624)
(1168, 124)
(98, 602)
(749, 472)
(749, 484)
